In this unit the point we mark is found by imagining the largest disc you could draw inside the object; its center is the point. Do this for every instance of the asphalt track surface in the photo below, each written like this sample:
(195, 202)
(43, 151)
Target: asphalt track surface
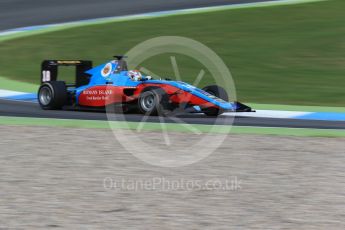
(29, 109)
(22, 13)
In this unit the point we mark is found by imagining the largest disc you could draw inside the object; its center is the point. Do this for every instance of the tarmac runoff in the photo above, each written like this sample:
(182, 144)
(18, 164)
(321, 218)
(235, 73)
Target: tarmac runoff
(39, 29)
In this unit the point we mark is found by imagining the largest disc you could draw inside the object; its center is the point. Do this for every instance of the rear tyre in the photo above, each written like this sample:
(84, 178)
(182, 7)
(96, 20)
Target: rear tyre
(153, 102)
(52, 95)
(219, 92)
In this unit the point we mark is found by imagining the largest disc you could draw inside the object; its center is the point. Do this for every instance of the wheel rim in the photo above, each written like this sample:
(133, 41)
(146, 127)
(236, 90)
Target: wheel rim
(45, 96)
(148, 102)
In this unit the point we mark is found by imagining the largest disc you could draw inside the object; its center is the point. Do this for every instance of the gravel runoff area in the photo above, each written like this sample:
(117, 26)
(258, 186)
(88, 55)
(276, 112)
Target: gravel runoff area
(65, 178)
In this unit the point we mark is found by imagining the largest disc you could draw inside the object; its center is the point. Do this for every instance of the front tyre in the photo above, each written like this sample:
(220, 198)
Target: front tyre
(219, 92)
(52, 95)
(153, 102)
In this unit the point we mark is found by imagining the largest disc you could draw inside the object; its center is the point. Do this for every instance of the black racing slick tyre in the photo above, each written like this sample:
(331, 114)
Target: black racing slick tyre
(153, 102)
(219, 92)
(52, 95)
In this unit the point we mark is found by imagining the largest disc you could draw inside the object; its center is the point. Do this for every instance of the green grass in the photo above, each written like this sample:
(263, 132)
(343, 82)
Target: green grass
(297, 108)
(277, 55)
(17, 121)
(20, 86)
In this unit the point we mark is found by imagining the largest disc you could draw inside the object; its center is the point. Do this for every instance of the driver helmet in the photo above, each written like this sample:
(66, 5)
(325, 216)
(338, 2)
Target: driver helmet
(135, 75)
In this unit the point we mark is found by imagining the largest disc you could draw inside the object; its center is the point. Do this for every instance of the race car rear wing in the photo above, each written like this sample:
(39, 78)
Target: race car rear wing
(49, 70)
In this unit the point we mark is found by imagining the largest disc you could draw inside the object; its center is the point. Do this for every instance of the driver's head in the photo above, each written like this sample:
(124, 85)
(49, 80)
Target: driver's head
(135, 75)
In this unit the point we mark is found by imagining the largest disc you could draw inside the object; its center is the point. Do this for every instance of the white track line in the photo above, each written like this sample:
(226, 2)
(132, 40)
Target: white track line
(9, 93)
(270, 114)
